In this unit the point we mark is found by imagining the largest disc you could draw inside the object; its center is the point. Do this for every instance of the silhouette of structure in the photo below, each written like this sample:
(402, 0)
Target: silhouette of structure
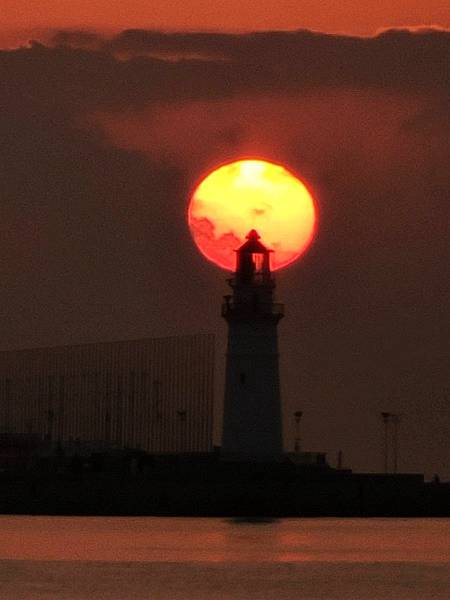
(252, 427)
(150, 402)
(391, 422)
(151, 394)
(298, 442)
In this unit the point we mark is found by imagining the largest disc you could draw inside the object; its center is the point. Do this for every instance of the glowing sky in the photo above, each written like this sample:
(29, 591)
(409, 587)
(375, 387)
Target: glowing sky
(362, 17)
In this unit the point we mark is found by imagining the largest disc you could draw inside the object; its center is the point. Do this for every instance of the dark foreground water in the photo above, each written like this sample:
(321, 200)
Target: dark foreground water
(208, 559)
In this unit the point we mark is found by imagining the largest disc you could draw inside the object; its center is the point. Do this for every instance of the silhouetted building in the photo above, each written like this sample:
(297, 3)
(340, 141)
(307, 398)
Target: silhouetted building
(252, 427)
(153, 394)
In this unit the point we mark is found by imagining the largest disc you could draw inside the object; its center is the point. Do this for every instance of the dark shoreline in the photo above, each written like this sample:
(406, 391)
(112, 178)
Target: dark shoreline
(208, 487)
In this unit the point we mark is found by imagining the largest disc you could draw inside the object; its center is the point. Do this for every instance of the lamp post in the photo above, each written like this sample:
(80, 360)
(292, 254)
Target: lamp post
(394, 419)
(339, 460)
(181, 439)
(298, 417)
(386, 417)
(396, 422)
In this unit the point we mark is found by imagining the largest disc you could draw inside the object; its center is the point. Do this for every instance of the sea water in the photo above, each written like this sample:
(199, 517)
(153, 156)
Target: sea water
(78, 558)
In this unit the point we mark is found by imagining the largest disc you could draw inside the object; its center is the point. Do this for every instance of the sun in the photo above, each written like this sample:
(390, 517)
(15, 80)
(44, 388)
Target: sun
(252, 194)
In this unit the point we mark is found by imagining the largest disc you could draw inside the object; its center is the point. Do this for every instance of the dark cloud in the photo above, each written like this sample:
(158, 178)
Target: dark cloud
(102, 139)
(76, 38)
(397, 58)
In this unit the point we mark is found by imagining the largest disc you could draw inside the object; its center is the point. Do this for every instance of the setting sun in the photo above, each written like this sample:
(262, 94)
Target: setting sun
(252, 194)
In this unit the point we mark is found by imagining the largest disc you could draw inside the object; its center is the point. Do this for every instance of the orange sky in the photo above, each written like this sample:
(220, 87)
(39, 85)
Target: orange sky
(363, 17)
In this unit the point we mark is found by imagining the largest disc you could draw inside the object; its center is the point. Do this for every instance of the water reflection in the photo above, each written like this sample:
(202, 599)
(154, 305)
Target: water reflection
(251, 520)
(218, 540)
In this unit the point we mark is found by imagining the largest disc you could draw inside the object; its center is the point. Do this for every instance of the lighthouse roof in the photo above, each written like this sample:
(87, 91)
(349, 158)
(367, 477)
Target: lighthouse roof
(253, 245)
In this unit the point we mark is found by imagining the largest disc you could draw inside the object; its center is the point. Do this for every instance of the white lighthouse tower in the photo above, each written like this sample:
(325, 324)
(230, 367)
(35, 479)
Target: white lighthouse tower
(252, 428)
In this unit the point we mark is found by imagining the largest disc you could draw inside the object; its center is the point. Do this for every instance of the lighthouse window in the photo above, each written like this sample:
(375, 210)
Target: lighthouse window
(258, 261)
(242, 378)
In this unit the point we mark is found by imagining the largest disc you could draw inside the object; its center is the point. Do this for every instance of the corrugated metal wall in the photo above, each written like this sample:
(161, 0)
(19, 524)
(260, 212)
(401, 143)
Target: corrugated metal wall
(154, 394)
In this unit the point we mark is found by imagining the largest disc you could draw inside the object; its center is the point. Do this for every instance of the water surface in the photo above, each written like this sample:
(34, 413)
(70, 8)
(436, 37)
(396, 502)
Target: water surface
(69, 558)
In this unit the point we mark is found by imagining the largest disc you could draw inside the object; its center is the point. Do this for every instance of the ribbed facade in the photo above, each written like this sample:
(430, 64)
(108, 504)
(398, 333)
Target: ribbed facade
(153, 394)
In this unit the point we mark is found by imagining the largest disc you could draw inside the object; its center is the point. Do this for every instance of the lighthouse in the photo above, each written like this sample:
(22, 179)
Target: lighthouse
(252, 427)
